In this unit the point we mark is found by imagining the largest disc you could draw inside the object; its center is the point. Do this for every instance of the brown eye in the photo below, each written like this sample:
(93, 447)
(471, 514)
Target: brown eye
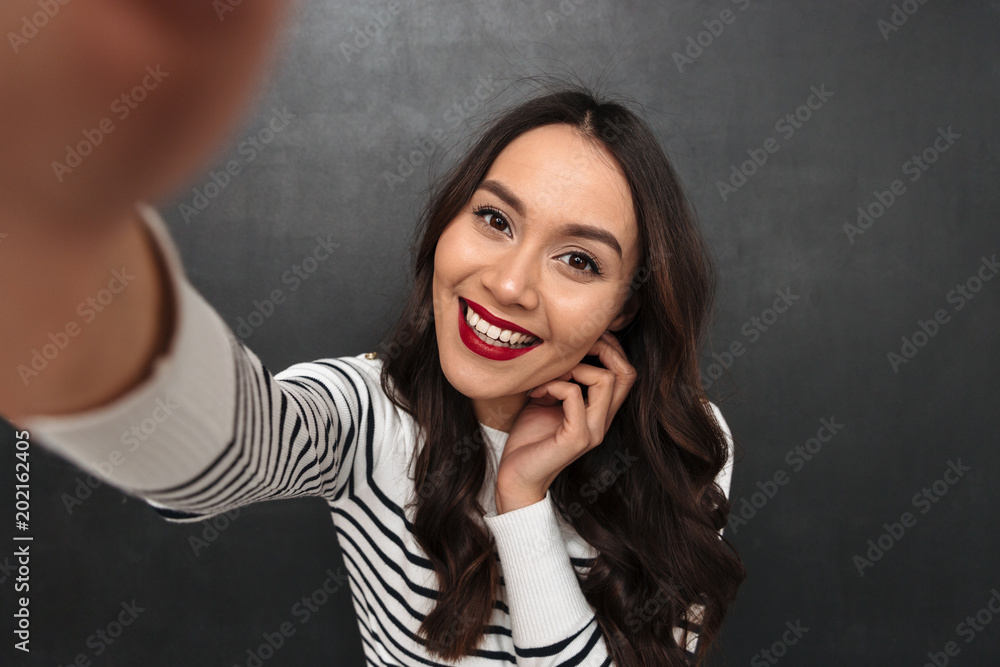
(580, 260)
(491, 216)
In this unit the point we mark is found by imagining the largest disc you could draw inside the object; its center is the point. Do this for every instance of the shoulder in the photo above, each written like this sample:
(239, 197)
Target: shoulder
(352, 380)
(717, 413)
(725, 476)
(360, 366)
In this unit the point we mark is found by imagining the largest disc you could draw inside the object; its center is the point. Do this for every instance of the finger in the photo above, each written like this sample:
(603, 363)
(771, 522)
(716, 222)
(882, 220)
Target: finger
(612, 355)
(621, 359)
(574, 428)
(600, 394)
(613, 340)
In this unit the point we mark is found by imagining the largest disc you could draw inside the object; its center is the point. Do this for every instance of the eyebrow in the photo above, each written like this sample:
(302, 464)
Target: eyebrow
(576, 229)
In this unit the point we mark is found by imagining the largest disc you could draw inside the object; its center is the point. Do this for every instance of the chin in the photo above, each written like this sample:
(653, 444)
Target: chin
(471, 386)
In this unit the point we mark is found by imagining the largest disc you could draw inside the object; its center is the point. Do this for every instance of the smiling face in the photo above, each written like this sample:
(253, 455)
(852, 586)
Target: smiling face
(547, 245)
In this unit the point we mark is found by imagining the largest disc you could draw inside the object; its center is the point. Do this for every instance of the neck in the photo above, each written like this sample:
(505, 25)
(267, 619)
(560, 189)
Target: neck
(499, 413)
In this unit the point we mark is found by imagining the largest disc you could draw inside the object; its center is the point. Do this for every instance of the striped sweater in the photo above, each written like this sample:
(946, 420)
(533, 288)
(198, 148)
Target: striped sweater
(211, 429)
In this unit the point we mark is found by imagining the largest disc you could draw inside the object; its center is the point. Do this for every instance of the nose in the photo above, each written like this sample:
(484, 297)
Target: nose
(512, 277)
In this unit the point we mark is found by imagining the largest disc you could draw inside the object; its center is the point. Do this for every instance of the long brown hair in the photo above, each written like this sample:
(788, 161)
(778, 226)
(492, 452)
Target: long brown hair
(655, 528)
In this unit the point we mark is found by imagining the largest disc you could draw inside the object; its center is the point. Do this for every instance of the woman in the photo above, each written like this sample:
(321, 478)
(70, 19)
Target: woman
(483, 446)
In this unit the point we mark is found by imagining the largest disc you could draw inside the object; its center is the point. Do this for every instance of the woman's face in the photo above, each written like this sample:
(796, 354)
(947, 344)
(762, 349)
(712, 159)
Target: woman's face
(547, 245)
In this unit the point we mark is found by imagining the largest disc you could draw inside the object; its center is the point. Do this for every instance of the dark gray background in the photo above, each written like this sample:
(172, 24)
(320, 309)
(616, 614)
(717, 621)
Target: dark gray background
(826, 357)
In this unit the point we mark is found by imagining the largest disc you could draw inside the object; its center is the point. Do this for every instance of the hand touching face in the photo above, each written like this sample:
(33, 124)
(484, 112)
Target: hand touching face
(546, 249)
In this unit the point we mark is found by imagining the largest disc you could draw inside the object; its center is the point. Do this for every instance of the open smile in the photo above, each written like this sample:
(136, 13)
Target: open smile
(490, 336)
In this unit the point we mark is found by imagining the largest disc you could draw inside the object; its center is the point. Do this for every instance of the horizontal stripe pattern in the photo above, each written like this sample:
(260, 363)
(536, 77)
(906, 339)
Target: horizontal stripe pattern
(325, 428)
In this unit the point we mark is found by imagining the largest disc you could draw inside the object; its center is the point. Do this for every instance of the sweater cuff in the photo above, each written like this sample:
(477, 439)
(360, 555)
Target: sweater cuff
(170, 426)
(546, 602)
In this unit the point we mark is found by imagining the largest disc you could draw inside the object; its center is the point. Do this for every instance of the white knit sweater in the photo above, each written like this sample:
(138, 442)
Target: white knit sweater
(216, 430)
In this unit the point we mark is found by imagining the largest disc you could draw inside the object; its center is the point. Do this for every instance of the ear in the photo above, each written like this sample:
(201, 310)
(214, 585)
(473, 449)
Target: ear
(626, 314)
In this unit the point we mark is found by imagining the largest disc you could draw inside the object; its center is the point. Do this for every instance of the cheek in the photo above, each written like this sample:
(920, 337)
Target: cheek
(442, 263)
(455, 256)
(582, 322)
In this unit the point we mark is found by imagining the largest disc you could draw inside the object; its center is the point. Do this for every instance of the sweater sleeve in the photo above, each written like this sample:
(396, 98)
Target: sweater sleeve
(211, 429)
(551, 620)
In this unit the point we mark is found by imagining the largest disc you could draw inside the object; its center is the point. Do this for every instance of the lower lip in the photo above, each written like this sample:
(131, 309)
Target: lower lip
(493, 352)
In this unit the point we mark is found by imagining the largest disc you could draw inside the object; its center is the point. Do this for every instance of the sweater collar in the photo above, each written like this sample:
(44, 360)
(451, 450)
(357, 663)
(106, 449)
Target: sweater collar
(496, 439)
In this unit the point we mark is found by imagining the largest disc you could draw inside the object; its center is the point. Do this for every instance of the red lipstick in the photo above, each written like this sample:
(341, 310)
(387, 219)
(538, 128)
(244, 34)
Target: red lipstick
(492, 319)
(484, 349)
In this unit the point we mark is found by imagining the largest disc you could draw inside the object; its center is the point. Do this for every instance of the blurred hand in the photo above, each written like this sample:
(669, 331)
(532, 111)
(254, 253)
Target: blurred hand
(137, 95)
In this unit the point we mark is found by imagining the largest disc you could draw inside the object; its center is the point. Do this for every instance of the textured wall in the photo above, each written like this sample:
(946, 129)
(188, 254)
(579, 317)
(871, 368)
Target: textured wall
(865, 505)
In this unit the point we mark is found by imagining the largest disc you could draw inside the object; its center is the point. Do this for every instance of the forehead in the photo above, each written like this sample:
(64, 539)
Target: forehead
(562, 176)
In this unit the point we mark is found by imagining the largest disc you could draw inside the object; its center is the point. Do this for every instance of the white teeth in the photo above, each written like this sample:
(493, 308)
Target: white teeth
(494, 335)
